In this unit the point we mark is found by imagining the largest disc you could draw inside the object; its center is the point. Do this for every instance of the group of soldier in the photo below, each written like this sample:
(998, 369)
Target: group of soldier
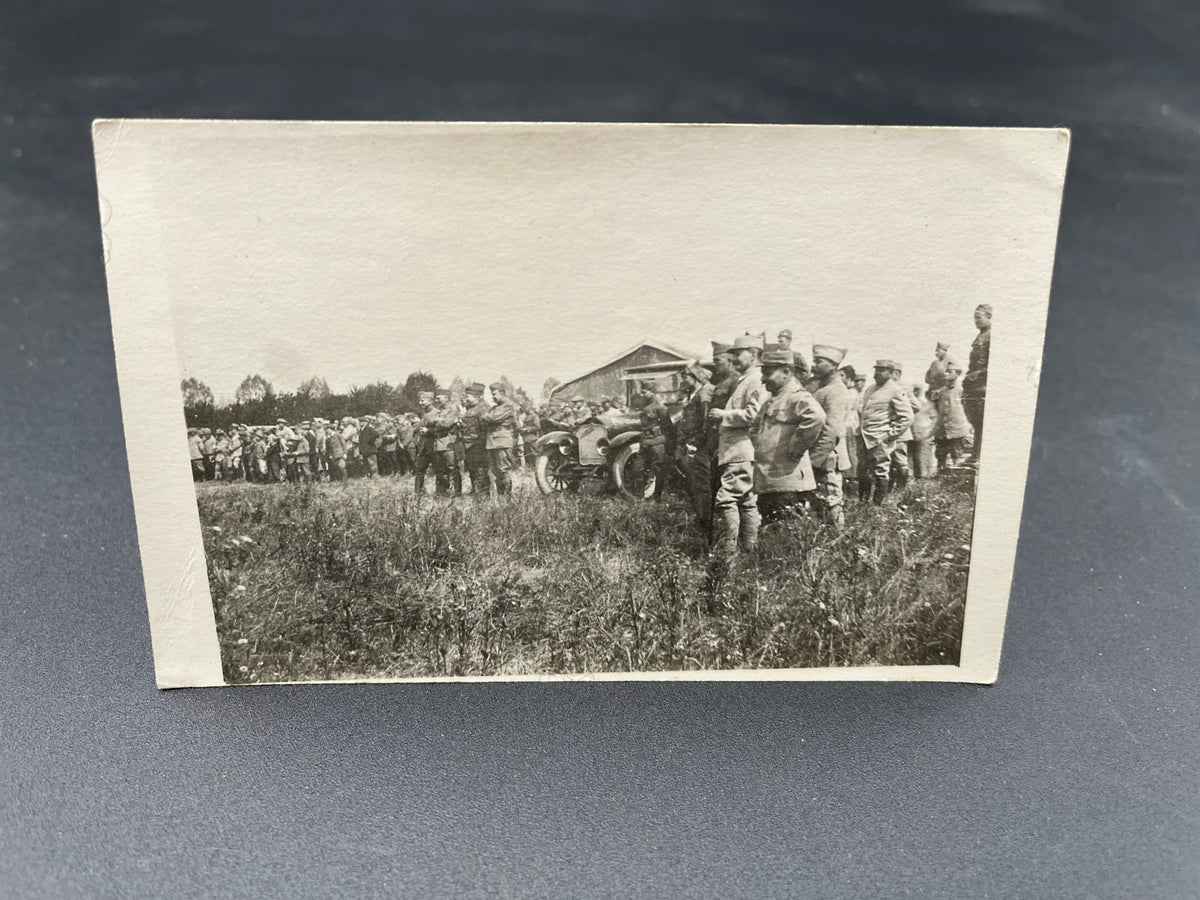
(760, 435)
(482, 438)
(764, 436)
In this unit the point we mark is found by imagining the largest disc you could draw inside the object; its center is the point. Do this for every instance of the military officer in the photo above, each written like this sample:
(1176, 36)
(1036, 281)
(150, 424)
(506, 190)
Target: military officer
(854, 399)
(500, 421)
(901, 467)
(935, 375)
(657, 441)
(886, 414)
(196, 449)
(447, 475)
(425, 440)
(787, 427)
(830, 457)
(735, 507)
(691, 443)
(974, 383)
(472, 432)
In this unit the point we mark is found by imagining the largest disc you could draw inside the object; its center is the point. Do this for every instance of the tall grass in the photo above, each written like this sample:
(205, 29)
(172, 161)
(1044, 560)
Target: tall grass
(326, 582)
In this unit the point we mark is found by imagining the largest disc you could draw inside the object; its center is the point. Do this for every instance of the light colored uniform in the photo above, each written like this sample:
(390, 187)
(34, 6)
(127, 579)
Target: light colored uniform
(831, 457)
(789, 425)
(735, 508)
(886, 414)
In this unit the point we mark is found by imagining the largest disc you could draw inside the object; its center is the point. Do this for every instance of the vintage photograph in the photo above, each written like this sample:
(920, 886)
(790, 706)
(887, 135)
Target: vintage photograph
(569, 401)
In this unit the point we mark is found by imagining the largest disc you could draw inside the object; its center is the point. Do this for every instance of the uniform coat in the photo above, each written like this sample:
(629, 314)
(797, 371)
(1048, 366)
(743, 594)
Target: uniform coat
(788, 426)
(738, 418)
(951, 420)
(886, 414)
(835, 401)
(500, 421)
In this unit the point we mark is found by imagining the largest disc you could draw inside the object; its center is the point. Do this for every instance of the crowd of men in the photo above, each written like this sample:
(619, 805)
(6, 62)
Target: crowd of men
(764, 436)
(760, 435)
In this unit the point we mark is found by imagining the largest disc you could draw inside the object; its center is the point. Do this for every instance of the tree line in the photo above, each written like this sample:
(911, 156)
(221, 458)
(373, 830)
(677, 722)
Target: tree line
(256, 402)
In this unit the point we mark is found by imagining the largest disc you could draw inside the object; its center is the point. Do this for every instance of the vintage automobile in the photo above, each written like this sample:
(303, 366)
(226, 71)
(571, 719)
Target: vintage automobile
(600, 453)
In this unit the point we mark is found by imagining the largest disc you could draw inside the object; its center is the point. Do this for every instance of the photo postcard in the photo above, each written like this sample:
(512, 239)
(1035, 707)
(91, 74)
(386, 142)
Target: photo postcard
(423, 401)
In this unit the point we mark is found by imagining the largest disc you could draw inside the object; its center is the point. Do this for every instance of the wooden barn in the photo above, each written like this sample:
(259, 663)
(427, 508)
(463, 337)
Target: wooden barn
(606, 380)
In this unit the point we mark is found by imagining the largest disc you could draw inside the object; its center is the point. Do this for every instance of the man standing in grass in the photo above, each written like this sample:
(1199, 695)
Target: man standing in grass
(473, 436)
(425, 436)
(789, 425)
(447, 474)
(657, 441)
(368, 445)
(735, 508)
(886, 414)
(691, 449)
(829, 456)
(500, 422)
(974, 383)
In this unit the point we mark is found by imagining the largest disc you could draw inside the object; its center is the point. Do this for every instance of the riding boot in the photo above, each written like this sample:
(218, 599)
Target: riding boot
(881, 489)
(749, 521)
(900, 481)
(864, 490)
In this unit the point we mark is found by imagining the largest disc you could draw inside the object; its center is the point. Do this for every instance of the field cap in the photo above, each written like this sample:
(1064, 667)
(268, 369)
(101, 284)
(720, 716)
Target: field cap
(775, 358)
(497, 386)
(942, 345)
(953, 364)
(887, 364)
(826, 351)
(281, 421)
(785, 332)
(719, 348)
(986, 307)
(442, 392)
(425, 395)
(748, 342)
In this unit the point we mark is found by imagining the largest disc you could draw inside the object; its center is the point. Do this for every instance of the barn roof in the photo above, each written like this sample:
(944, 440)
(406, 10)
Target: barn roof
(644, 342)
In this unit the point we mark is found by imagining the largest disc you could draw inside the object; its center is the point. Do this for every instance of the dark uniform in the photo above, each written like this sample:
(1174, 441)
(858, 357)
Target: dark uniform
(500, 422)
(657, 441)
(974, 383)
(425, 454)
(692, 445)
(472, 433)
(447, 474)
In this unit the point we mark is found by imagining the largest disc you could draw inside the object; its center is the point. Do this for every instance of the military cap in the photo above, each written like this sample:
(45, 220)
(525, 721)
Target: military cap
(497, 386)
(442, 392)
(952, 364)
(748, 342)
(831, 353)
(192, 430)
(281, 421)
(785, 331)
(425, 395)
(986, 307)
(647, 386)
(206, 431)
(942, 345)
(475, 388)
(774, 358)
(887, 364)
(578, 398)
(306, 422)
(719, 348)
(698, 372)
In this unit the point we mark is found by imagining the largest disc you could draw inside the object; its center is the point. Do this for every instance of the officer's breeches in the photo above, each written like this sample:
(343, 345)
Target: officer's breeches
(735, 510)
(501, 463)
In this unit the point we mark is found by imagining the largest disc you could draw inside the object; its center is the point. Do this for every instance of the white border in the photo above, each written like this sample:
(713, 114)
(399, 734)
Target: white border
(183, 630)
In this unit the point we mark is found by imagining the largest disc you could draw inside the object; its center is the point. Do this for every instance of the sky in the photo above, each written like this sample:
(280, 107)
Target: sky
(364, 252)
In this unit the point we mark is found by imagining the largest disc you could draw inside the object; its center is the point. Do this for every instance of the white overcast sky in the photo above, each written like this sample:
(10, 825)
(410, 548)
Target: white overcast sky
(364, 252)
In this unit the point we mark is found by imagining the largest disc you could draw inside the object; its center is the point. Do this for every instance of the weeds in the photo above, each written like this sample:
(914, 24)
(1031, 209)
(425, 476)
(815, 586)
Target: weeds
(325, 582)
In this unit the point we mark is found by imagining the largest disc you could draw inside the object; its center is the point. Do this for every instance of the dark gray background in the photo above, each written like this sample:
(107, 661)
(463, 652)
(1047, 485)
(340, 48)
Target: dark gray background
(1075, 775)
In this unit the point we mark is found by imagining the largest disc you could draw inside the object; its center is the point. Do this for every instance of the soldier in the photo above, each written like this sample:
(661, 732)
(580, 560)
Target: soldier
(388, 442)
(691, 442)
(196, 451)
(275, 467)
(405, 444)
(368, 445)
(788, 426)
(952, 427)
(735, 510)
(657, 442)
(246, 435)
(425, 440)
(531, 430)
(350, 439)
(886, 414)
(920, 448)
(499, 422)
(306, 446)
(472, 433)
(974, 383)
(829, 457)
(935, 375)
(447, 474)
(901, 465)
(800, 370)
(261, 469)
(335, 455)
(208, 447)
(580, 412)
(854, 399)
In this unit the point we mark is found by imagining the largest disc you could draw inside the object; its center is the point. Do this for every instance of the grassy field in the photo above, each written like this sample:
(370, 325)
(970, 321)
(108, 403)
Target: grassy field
(327, 582)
